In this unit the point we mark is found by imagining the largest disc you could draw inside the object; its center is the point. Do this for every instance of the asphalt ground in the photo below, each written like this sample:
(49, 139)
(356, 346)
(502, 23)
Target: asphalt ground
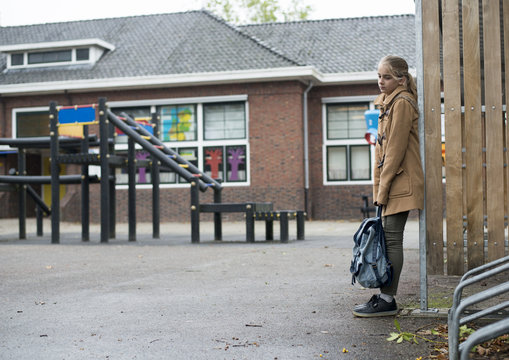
(169, 299)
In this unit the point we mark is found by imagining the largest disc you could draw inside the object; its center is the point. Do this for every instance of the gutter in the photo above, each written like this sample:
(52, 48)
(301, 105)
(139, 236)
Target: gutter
(302, 73)
(306, 146)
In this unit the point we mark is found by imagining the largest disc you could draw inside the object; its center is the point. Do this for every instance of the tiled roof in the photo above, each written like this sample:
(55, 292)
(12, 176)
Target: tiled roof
(179, 43)
(341, 45)
(198, 42)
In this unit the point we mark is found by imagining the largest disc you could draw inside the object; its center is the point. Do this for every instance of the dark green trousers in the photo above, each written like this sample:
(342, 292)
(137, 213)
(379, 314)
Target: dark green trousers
(394, 226)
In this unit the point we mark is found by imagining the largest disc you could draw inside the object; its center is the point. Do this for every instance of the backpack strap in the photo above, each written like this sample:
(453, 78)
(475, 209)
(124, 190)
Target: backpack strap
(409, 99)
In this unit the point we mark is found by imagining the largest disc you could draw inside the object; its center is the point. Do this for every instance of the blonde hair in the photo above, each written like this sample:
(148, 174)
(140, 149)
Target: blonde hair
(398, 67)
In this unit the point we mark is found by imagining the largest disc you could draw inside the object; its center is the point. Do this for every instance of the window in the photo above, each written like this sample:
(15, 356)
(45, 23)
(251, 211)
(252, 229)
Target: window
(360, 162)
(32, 123)
(336, 163)
(224, 121)
(49, 57)
(82, 54)
(208, 132)
(217, 159)
(347, 156)
(178, 123)
(346, 121)
(17, 59)
(55, 53)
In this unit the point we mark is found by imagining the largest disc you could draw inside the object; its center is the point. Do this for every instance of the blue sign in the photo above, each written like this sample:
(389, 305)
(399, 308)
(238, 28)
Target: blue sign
(371, 117)
(76, 115)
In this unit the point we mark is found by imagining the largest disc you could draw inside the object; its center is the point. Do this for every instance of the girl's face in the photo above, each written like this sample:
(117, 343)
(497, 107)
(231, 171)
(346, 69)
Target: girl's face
(386, 81)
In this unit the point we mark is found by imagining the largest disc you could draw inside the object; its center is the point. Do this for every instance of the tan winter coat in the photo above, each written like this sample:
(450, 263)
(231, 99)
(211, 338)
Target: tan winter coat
(399, 180)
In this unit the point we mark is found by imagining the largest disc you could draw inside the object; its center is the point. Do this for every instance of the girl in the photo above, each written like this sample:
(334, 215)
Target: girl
(399, 180)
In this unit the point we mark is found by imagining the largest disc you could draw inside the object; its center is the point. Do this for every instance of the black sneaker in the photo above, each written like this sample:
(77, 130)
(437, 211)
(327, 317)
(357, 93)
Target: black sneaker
(376, 306)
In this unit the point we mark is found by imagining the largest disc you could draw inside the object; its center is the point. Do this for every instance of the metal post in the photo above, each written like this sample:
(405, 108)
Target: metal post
(85, 190)
(55, 174)
(39, 217)
(22, 195)
(218, 226)
(131, 203)
(421, 100)
(269, 227)
(250, 230)
(112, 188)
(156, 181)
(195, 212)
(105, 171)
(301, 219)
(283, 225)
(156, 204)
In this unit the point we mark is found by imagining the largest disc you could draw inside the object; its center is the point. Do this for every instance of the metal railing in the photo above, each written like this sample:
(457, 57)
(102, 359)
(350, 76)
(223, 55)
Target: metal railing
(459, 306)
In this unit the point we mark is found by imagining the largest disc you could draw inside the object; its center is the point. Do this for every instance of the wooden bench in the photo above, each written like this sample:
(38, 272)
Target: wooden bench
(283, 216)
(248, 208)
(252, 211)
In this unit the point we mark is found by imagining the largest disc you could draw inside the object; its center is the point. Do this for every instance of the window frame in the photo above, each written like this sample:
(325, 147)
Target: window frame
(224, 129)
(348, 143)
(200, 143)
(93, 55)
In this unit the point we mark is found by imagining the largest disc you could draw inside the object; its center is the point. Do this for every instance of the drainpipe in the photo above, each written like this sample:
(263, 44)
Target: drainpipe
(306, 146)
(3, 119)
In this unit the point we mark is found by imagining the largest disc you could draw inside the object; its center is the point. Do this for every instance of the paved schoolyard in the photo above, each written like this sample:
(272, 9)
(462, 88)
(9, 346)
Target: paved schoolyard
(170, 299)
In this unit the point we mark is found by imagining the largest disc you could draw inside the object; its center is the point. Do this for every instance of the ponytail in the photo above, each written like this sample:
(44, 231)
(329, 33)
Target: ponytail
(411, 86)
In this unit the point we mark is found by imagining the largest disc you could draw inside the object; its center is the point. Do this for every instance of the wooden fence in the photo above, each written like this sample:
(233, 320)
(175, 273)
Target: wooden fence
(465, 47)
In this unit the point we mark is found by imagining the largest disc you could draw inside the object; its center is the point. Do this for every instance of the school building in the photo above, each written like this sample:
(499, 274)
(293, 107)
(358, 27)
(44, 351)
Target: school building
(275, 111)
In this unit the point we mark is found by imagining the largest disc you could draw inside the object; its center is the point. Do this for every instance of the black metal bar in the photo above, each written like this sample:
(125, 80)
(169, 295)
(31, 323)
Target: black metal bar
(218, 226)
(301, 219)
(38, 201)
(250, 222)
(37, 179)
(85, 190)
(39, 222)
(269, 228)
(22, 195)
(195, 213)
(283, 224)
(111, 177)
(42, 141)
(224, 207)
(105, 171)
(131, 172)
(156, 181)
(55, 174)
(113, 210)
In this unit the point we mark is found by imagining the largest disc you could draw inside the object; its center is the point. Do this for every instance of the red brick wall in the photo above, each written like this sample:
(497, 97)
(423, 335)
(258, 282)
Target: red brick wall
(276, 152)
(332, 202)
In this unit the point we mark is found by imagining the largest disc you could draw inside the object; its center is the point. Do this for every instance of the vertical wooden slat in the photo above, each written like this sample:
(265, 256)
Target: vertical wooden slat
(453, 154)
(473, 133)
(505, 11)
(432, 130)
(494, 128)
